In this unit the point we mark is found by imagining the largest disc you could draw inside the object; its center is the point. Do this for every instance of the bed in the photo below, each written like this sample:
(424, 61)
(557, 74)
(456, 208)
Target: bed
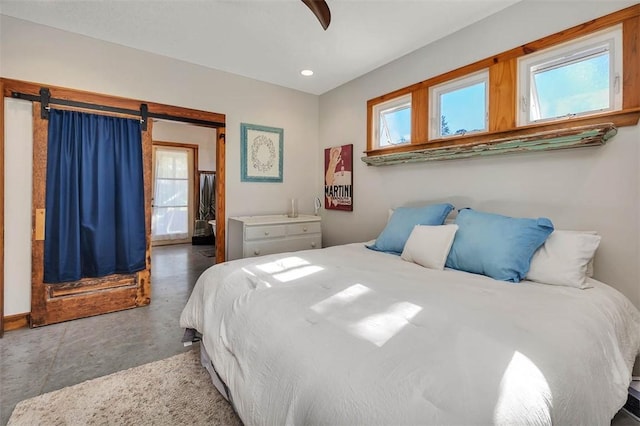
(349, 335)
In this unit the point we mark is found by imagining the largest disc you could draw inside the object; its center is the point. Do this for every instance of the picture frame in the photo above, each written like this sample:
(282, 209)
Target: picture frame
(261, 153)
(338, 178)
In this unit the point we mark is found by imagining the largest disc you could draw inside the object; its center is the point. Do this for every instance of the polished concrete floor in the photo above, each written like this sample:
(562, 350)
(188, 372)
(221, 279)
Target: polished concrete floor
(35, 361)
(39, 360)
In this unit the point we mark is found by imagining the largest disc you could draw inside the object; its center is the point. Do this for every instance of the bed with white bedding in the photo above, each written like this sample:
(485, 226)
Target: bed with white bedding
(346, 335)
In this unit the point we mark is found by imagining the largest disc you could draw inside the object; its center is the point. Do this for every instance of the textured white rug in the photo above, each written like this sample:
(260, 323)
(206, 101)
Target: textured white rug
(172, 391)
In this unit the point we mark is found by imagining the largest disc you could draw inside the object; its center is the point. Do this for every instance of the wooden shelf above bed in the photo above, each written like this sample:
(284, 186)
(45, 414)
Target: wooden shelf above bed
(572, 137)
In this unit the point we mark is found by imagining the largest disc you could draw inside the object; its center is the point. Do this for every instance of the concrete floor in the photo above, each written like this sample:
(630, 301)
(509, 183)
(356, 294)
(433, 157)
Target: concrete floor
(40, 360)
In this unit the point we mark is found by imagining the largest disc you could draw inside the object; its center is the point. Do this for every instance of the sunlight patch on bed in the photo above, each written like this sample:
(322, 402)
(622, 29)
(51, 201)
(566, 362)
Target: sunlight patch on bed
(282, 265)
(343, 298)
(381, 327)
(294, 274)
(523, 387)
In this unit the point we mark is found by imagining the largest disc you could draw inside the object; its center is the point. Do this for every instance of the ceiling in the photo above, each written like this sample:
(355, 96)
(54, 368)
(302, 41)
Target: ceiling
(267, 40)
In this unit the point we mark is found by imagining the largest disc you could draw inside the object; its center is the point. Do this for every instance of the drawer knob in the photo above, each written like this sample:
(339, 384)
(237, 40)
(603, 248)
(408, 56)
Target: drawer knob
(256, 252)
(304, 229)
(313, 244)
(266, 232)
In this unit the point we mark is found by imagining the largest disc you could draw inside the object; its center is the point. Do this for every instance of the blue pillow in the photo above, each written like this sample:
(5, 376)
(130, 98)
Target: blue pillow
(498, 246)
(395, 235)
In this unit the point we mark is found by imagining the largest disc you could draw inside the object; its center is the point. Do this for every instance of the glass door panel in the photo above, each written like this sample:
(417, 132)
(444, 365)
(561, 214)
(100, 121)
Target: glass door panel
(173, 171)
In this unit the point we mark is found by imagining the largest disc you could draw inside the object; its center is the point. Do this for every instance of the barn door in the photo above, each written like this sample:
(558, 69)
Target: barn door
(52, 303)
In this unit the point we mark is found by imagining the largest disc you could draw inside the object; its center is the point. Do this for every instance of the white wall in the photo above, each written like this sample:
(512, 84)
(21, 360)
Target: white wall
(588, 188)
(18, 155)
(45, 55)
(205, 138)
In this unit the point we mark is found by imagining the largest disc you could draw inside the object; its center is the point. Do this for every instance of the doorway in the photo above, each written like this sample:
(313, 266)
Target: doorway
(183, 152)
(52, 303)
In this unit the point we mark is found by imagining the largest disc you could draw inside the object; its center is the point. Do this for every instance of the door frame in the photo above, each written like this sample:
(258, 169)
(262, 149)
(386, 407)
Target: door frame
(204, 118)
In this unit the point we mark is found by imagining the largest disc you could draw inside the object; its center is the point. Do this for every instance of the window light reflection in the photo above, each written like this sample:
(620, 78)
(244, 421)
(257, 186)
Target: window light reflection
(379, 328)
(294, 274)
(523, 385)
(282, 265)
(343, 298)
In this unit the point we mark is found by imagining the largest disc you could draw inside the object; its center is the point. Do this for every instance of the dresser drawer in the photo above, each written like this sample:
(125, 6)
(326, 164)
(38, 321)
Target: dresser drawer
(251, 236)
(260, 248)
(263, 232)
(303, 228)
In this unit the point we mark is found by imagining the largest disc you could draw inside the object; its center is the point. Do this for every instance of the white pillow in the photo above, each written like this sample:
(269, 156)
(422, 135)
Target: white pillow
(590, 269)
(564, 258)
(590, 264)
(429, 246)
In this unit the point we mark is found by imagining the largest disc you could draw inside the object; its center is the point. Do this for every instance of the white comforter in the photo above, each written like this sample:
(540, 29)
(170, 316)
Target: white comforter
(345, 335)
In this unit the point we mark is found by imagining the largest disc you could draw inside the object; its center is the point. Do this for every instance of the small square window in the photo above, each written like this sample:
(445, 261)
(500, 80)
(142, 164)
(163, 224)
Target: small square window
(460, 106)
(392, 122)
(577, 78)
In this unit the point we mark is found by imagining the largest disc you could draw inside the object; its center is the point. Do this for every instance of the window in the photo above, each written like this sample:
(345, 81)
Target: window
(459, 106)
(580, 77)
(564, 80)
(392, 122)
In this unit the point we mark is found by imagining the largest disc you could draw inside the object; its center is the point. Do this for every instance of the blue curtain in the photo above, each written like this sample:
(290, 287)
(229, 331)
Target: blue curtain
(95, 218)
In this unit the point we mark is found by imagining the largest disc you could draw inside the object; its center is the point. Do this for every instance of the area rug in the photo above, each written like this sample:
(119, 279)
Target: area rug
(173, 391)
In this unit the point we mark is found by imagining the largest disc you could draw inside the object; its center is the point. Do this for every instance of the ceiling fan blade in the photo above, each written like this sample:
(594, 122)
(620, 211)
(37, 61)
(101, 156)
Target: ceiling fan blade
(321, 10)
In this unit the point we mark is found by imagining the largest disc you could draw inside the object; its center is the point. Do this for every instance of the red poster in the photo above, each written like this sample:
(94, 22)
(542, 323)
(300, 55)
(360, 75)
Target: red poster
(338, 178)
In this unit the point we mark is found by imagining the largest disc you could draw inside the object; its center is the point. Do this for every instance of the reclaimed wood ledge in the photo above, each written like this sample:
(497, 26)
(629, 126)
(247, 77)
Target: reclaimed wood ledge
(574, 137)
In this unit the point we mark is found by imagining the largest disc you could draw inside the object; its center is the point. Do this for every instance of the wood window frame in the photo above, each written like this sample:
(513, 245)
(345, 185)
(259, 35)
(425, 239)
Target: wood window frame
(460, 83)
(503, 91)
(391, 104)
(608, 40)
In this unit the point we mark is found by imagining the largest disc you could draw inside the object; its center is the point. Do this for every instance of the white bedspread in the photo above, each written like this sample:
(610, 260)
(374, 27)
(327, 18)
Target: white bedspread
(345, 335)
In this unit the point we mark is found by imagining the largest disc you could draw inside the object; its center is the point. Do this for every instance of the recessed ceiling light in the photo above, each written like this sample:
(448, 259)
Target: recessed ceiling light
(306, 73)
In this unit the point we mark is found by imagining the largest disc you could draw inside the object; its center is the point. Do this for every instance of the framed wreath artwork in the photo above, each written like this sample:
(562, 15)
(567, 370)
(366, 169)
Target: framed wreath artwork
(261, 153)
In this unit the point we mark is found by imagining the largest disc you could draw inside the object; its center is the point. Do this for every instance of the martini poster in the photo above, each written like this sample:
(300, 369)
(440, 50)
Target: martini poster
(338, 178)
